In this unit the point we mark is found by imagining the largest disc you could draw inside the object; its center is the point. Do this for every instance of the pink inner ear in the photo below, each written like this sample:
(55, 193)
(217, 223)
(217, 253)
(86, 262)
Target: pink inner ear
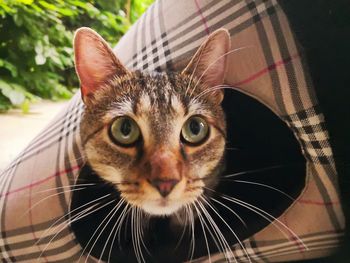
(209, 62)
(213, 70)
(94, 60)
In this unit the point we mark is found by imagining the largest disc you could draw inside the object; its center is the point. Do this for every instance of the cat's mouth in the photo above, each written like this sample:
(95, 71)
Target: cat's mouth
(154, 203)
(162, 207)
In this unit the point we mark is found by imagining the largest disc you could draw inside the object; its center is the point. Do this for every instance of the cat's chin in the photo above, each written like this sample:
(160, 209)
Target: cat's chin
(161, 207)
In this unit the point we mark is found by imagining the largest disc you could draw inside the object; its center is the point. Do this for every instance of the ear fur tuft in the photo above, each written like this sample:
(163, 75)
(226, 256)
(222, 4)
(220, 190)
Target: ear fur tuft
(209, 62)
(95, 61)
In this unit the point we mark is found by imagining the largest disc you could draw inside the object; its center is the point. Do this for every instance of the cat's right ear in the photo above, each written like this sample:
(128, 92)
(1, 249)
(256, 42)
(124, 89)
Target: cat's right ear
(95, 62)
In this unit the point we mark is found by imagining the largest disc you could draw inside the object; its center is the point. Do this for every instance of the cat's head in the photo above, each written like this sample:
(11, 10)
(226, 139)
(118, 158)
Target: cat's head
(158, 137)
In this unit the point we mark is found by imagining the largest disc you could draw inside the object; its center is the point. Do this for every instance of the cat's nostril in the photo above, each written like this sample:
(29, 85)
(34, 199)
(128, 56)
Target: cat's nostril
(164, 186)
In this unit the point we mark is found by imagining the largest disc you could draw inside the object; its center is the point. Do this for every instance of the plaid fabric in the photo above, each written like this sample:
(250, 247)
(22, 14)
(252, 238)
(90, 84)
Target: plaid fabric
(310, 128)
(267, 66)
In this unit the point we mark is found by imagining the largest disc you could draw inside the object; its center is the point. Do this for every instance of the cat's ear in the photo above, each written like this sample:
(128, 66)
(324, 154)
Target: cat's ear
(95, 61)
(209, 62)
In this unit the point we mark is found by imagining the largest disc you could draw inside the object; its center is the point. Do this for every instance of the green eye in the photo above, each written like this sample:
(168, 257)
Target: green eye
(124, 131)
(195, 130)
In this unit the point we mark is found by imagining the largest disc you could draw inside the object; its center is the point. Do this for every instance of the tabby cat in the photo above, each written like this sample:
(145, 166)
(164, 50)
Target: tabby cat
(157, 141)
(159, 138)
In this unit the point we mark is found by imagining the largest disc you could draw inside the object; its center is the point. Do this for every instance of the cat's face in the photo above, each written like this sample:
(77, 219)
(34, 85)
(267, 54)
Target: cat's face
(159, 138)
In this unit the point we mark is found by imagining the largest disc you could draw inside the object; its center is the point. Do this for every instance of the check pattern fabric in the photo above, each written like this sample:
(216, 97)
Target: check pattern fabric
(266, 63)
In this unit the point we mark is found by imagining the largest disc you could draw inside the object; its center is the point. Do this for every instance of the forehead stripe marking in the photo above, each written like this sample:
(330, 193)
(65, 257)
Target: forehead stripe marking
(93, 134)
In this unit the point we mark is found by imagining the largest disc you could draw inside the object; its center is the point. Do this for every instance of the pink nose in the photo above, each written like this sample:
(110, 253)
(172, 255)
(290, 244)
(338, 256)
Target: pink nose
(164, 186)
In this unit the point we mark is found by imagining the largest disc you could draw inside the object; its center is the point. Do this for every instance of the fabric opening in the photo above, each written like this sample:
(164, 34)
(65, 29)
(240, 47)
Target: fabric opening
(260, 147)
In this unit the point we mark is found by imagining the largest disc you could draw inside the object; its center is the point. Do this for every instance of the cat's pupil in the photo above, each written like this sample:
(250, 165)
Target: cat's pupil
(195, 127)
(125, 128)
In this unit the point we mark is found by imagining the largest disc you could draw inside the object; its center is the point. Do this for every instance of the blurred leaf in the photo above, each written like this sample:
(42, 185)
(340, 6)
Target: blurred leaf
(27, 2)
(12, 68)
(48, 6)
(40, 59)
(15, 95)
(36, 53)
(25, 106)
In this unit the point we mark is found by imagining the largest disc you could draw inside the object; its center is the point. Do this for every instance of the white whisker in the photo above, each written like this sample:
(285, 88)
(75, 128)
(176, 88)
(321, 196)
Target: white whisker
(76, 218)
(47, 197)
(224, 245)
(213, 63)
(270, 218)
(63, 187)
(193, 73)
(211, 89)
(133, 234)
(263, 185)
(126, 215)
(118, 223)
(113, 212)
(215, 238)
(230, 209)
(70, 212)
(254, 171)
(193, 240)
(204, 234)
(228, 226)
(92, 236)
(108, 238)
(183, 230)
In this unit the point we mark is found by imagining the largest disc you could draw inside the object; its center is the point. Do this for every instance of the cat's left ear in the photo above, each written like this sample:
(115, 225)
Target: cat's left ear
(209, 62)
(95, 62)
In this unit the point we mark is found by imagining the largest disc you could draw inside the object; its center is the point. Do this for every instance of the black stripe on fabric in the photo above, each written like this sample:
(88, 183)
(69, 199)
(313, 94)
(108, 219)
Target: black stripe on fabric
(54, 237)
(289, 67)
(50, 134)
(26, 229)
(29, 151)
(294, 246)
(320, 146)
(254, 259)
(219, 24)
(10, 174)
(290, 252)
(59, 182)
(265, 44)
(323, 190)
(269, 256)
(44, 135)
(153, 36)
(255, 247)
(79, 156)
(181, 23)
(165, 43)
(143, 41)
(31, 227)
(198, 24)
(135, 37)
(61, 196)
(307, 77)
(49, 252)
(208, 18)
(235, 30)
(9, 180)
(224, 21)
(3, 178)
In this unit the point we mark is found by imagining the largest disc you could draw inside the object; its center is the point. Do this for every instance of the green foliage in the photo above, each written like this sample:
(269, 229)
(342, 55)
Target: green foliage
(36, 55)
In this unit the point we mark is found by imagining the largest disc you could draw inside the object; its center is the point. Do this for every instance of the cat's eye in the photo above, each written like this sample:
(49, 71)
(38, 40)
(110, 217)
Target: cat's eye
(195, 130)
(124, 131)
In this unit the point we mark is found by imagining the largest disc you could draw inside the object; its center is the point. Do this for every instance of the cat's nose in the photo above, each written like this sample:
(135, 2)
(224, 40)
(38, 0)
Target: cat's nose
(164, 186)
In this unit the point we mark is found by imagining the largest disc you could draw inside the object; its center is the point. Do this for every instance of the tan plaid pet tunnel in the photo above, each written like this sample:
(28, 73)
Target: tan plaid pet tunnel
(268, 67)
